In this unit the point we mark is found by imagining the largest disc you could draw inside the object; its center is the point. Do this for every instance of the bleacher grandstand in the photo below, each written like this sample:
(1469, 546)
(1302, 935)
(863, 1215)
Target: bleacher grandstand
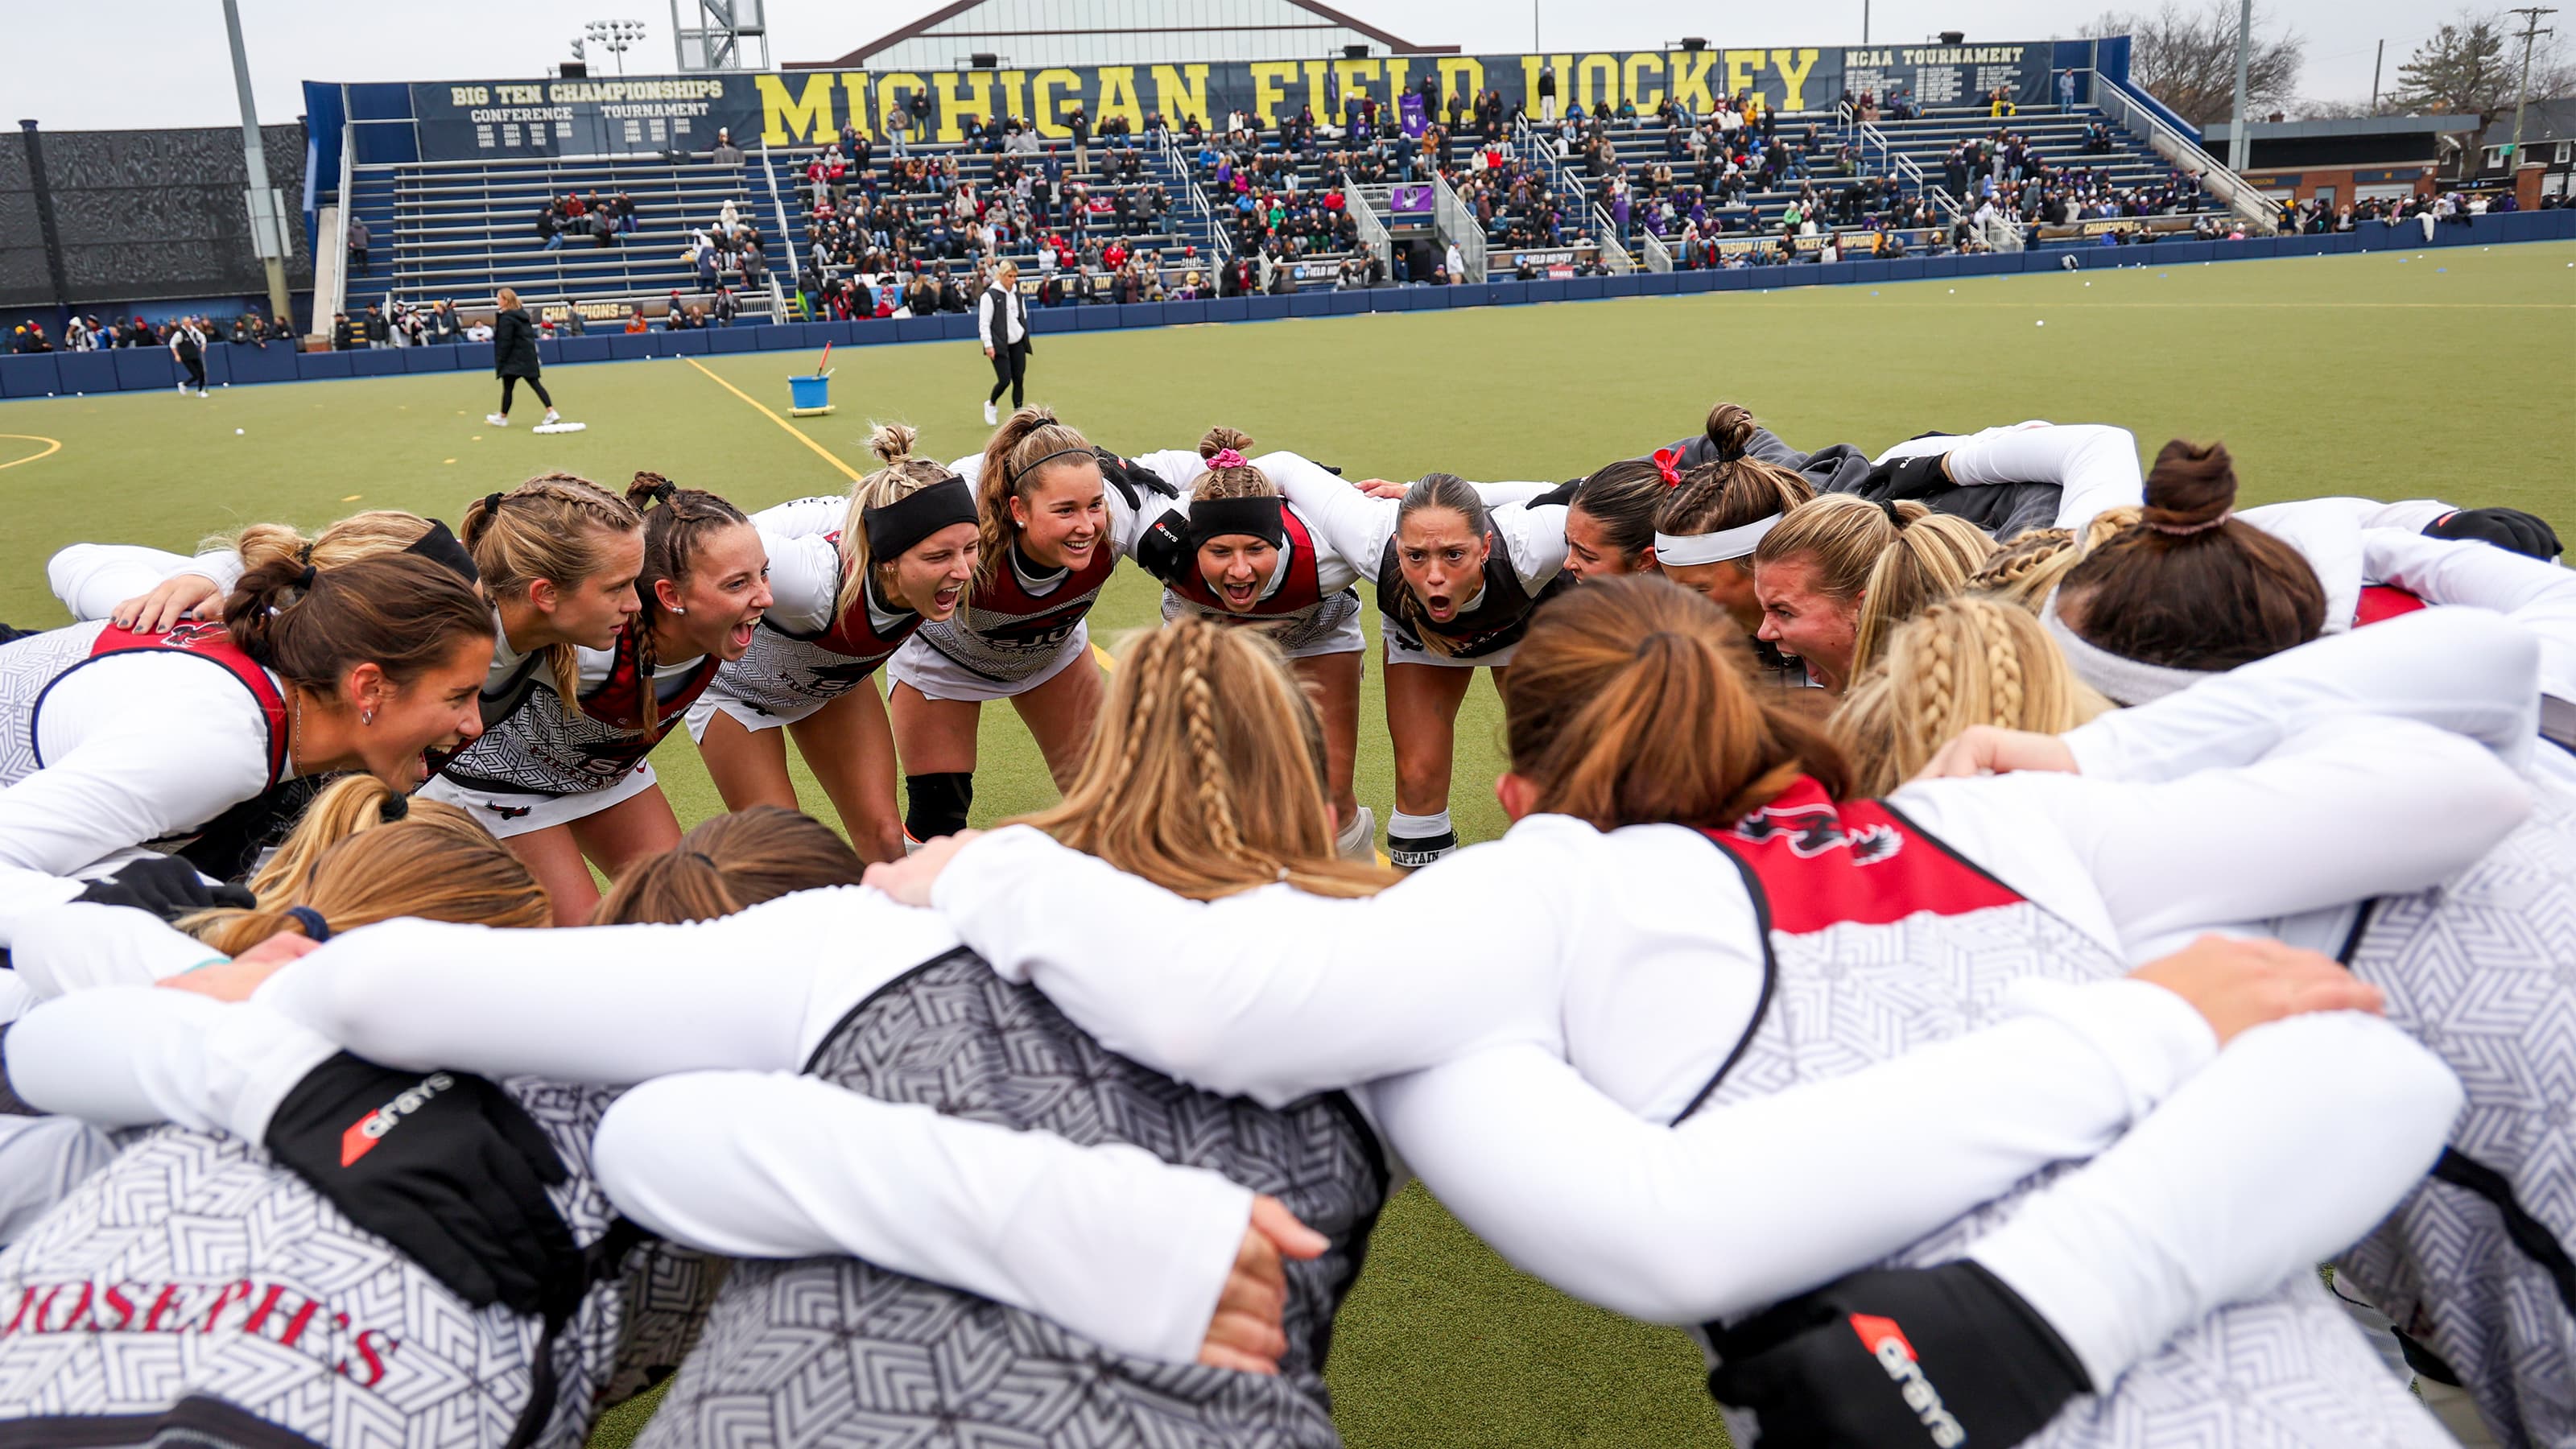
(1282, 200)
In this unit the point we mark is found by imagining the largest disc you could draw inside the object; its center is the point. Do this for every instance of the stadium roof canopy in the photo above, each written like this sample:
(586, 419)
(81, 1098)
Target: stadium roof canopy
(1030, 33)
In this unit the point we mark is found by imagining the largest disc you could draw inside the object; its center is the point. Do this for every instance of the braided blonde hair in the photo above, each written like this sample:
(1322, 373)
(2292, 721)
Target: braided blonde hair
(2024, 570)
(550, 527)
(1206, 772)
(1966, 661)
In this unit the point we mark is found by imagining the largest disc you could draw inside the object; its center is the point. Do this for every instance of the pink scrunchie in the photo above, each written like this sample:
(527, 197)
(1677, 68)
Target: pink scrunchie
(1227, 458)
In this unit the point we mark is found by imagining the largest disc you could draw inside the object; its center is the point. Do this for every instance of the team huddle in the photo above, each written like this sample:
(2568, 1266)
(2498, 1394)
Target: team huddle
(1982, 923)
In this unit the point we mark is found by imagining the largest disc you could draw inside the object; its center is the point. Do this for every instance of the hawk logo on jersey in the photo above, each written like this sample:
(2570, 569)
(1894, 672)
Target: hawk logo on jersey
(190, 635)
(1810, 832)
(511, 812)
(367, 1131)
(1887, 1343)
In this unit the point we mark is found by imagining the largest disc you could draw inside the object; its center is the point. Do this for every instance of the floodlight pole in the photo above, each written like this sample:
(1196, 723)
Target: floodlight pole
(267, 218)
(2238, 147)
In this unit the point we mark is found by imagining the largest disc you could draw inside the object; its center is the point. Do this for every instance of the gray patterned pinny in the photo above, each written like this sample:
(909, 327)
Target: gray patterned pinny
(1882, 940)
(2476, 1262)
(834, 1351)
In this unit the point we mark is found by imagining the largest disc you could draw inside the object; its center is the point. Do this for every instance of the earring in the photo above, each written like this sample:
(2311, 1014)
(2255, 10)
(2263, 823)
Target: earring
(366, 716)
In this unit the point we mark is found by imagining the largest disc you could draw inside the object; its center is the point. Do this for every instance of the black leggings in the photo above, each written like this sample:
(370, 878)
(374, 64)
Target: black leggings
(196, 371)
(1010, 369)
(534, 386)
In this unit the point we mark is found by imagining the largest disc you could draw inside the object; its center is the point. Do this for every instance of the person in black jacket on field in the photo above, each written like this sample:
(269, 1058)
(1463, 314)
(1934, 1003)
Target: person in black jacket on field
(514, 356)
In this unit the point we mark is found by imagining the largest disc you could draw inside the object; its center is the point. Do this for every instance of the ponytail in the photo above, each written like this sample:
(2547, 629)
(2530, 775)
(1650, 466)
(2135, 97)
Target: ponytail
(1627, 704)
(435, 863)
(2188, 586)
(312, 625)
(1028, 443)
(1929, 560)
(901, 476)
(1730, 431)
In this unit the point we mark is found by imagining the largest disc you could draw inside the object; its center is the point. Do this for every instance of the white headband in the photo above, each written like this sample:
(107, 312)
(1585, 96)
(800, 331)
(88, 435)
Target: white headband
(2121, 680)
(1708, 548)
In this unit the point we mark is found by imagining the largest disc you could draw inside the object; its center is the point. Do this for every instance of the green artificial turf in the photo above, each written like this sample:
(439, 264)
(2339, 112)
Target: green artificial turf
(2391, 375)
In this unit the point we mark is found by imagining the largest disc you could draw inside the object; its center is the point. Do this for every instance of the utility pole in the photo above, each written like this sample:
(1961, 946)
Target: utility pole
(2238, 147)
(2376, 62)
(267, 216)
(2531, 31)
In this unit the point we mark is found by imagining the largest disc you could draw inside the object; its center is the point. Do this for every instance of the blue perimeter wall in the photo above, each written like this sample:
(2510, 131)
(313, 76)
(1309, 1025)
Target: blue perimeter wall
(137, 369)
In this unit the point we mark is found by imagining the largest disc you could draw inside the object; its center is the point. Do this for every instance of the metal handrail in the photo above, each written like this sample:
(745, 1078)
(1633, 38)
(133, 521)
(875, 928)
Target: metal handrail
(786, 236)
(2178, 150)
(1459, 224)
(1220, 245)
(1659, 257)
(1606, 232)
(1570, 184)
(1373, 232)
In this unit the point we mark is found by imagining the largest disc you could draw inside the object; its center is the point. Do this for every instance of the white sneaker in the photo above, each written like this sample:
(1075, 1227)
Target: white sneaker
(183, 392)
(551, 417)
(496, 419)
(990, 417)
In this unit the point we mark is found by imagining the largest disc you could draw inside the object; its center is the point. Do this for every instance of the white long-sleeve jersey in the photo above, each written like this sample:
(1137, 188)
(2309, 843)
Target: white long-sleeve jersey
(2094, 465)
(135, 747)
(1632, 957)
(758, 1161)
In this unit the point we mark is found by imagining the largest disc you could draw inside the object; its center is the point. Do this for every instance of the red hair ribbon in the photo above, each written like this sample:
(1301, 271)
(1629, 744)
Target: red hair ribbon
(1226, 458)
(1664, 464)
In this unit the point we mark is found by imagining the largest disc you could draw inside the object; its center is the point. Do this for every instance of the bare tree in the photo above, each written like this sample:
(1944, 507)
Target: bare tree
(2472, 66)
(2187, 59)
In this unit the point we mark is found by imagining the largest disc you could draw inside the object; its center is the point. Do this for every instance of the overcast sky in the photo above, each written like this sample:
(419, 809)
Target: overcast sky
(98, 64)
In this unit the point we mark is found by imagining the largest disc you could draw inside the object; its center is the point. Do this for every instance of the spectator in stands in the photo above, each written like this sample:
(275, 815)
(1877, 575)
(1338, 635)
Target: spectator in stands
(635, 320)
(379, 331)
(899, 129)
(245, 328)
(1079, 122)
(550, 226)
(726, 152)
(727, 307)
(357, 244)
(344, 337)
(603, 226)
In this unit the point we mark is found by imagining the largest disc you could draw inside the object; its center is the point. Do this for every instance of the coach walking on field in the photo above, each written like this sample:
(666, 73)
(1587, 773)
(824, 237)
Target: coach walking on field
(1002, 318)
(514, 356)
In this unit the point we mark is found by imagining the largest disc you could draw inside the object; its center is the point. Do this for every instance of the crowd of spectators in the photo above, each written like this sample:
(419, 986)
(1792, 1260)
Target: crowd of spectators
(910, 234)
(596, 219)
(90, 334)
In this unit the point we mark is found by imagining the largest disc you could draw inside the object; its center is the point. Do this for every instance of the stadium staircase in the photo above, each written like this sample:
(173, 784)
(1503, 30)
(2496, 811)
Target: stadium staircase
(461, 230)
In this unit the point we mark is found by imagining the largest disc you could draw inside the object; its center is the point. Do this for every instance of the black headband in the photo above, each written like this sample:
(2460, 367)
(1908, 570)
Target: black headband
(1014, 475)
(1261, 518)
(917, 515)
(316, 929)
(394, 808)
(440, 547)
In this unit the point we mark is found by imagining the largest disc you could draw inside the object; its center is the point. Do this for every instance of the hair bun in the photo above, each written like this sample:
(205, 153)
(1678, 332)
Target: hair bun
(891, 442)
(1221, 438)
(2192, 487)
(1730, 428)
(650, 488)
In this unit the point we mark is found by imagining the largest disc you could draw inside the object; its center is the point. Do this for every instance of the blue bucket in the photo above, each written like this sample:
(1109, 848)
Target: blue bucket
(809, 391)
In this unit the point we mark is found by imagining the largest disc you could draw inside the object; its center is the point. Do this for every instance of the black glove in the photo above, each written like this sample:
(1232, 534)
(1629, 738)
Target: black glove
(2506, 528)
(1163, 549)
(443, 1165)
(166, 886)
(1911, 1356)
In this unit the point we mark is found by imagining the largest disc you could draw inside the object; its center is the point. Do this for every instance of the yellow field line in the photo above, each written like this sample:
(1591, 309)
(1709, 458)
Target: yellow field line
(52, 446)
(798, 433)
